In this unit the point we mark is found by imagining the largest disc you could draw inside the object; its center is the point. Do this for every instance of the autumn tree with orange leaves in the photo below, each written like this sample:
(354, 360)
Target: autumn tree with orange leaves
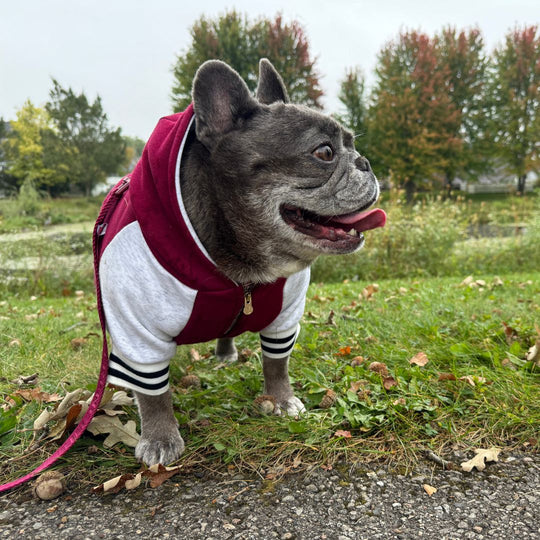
(241, 43)
(413, 123)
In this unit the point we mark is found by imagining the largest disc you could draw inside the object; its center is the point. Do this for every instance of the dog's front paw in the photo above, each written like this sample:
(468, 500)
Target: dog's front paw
(230, 358)
(289, 407)
(163, 449)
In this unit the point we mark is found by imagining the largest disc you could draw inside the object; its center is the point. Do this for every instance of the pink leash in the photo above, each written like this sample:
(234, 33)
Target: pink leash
(99, 230)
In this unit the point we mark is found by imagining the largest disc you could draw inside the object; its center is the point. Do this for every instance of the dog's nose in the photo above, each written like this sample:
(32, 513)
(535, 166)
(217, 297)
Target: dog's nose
(362, 164)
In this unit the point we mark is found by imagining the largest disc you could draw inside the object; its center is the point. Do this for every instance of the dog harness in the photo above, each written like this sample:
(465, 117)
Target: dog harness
(161, 288)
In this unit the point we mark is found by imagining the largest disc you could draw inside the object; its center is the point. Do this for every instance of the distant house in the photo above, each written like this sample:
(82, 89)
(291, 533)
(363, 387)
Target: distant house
(106, 186)
(498, 181)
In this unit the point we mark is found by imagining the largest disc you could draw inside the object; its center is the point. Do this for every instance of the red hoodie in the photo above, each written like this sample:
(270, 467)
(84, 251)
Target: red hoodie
(159, 285)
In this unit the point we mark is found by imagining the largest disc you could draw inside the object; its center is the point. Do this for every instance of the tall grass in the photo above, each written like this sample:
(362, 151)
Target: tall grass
(439, 238)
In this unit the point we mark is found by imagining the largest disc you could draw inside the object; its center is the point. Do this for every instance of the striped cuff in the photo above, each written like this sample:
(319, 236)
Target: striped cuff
(279, 344)
(151, 380)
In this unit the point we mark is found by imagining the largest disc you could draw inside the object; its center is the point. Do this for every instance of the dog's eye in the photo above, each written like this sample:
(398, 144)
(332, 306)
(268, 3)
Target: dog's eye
(324, 152)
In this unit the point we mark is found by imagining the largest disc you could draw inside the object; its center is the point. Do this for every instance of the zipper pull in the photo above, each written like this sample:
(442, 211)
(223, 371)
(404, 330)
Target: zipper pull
(248, 306)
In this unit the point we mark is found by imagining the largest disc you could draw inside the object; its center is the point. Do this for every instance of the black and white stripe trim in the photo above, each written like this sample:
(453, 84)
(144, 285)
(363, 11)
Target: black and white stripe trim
(279, 344)
(151, 380)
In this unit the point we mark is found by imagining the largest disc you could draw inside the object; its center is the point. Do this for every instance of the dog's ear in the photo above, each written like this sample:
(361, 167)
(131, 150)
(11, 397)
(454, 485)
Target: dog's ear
(271, 87)
(221, 100)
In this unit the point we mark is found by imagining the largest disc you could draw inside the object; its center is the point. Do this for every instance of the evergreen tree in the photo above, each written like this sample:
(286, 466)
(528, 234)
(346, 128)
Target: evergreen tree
(82, 140)
(515, 114)
(461, 57)
(352, 97)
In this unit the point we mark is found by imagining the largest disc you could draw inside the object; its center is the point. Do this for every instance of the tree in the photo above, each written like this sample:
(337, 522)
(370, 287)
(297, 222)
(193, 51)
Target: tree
(7, 182)
(82, 140)
(241, 43)
(23, 148)
(412, 119)
(463, 61)
(134, 150)
(352, 97)
(515, 115)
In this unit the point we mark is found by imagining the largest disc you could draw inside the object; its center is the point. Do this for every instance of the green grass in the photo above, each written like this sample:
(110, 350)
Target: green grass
(459, 328)
(419, 260)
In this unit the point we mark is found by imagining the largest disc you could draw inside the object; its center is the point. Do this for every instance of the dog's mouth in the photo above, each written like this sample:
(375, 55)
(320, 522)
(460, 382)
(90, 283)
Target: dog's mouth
(342, 233)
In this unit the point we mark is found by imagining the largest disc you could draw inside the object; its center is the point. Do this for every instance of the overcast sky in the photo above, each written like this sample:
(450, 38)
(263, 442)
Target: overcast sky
(123, 50)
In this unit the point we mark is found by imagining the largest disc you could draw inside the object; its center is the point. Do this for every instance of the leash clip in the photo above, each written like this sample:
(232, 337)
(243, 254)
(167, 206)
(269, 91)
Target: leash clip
(122, 187)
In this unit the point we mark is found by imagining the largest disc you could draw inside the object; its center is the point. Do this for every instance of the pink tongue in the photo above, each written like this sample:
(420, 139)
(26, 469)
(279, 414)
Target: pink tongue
(363, 221)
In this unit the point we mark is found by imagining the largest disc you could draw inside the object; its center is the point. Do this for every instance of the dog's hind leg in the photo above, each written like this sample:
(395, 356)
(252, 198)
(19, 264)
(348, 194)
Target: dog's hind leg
(226, 350)
(277, 384)
(160, 440)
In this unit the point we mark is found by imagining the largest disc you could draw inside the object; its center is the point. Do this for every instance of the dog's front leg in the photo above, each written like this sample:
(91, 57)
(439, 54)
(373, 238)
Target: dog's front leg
(277, 385)
(160, 440)
(226, 350)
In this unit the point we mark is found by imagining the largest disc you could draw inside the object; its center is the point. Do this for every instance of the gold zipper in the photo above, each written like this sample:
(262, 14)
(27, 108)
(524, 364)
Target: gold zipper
(248, 305)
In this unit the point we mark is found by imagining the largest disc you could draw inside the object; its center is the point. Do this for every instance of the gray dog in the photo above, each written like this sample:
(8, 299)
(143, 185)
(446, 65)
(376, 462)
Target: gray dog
(213, 236)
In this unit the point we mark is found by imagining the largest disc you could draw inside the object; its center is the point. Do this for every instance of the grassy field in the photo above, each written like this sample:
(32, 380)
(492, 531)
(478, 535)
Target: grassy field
(476, 389)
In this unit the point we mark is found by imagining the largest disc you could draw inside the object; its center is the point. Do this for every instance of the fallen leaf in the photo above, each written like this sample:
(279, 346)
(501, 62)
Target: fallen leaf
(343, 433)
(78, 343)
(430, 490)
(195, 355)
(9, 404)
(159, 473)
(330, 320)
(533, 354)
(379, 367)
(473, 380)
(447, 377)
(25, 379)
(419, 359)
(497, 282)
(357, 385)
(369, 291)
(15, 343)
(467, 281)
(389, 382)
(116, 484)
(344, 351)
(357, 361)
(117, 432)
(482, 457)
(510, 333)
(36, 394)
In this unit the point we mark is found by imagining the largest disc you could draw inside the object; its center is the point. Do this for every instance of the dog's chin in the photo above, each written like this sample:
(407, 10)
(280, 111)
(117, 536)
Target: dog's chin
(336, 235)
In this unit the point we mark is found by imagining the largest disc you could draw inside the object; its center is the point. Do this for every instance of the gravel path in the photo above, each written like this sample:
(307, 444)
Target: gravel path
(359, 502)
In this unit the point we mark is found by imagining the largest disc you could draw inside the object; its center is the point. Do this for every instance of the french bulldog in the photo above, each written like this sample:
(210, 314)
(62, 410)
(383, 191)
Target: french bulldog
(213, 234)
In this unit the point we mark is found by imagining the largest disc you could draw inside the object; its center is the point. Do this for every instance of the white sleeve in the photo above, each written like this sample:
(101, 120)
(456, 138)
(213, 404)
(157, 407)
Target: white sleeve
(278, 339)
(145, 309)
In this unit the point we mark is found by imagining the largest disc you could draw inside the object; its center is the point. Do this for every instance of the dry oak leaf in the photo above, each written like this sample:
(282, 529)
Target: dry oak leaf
(36, 394)
(482, 457)
(116, 484)
(430, 490)
(118, 432)
(447, 377)
(159, 473)
(419, 359)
